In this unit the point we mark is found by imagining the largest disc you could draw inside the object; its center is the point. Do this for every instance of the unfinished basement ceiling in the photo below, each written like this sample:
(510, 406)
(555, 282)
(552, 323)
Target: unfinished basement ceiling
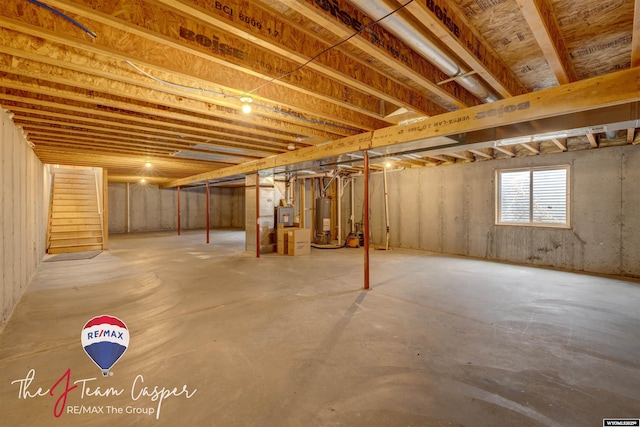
(118, 83)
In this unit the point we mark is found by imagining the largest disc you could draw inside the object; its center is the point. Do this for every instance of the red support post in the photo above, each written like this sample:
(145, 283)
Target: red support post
(208, 213)
(257, 215)
(178, 210)
(366, 220)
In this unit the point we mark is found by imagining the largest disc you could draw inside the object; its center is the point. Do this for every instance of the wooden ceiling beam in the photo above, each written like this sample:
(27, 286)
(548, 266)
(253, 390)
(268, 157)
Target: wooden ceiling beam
(172, 125)
(462, 156)
(561, 143)
(509, 151)
(122, 164)
(420, 161)
(108, 66)
(441, 158)
(83, 57)
(459, 36)
(483, 152)
(71, 137)
(140, 132)
(288, 40)
(91, 147)
(412, 162)
(608, 90)
(593, 140)
(387, 49)
(534, 147)
(94, 86)
(178, 56)
(540, 16)
(177, 138)
(86, 88)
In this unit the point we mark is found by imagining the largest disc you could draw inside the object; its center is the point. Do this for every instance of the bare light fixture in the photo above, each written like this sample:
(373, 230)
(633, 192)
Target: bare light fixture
(291, 146)
(388, 165)
(142, 181)
(246, 100)
(148, 164)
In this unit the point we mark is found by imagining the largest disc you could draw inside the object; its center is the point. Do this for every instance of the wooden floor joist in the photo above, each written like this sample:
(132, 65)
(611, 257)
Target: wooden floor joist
(598, 92)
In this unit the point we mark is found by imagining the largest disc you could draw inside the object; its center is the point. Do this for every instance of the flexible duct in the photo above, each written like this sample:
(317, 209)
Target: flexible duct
(409, 34)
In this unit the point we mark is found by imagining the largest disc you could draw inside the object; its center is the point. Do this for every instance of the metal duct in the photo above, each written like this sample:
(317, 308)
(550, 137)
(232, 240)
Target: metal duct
(409, 34)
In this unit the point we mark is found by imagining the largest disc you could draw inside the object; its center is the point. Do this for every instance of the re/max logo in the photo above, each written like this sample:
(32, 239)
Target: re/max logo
(104, 333)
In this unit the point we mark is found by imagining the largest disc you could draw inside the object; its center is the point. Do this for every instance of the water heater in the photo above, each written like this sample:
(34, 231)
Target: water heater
(323, 221)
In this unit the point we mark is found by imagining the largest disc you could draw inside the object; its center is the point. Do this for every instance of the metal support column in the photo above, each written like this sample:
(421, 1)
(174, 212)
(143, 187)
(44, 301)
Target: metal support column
(179, 211)
(127, 209)
(257, 215)
(208, 213)
(366, 220)
(339, 206)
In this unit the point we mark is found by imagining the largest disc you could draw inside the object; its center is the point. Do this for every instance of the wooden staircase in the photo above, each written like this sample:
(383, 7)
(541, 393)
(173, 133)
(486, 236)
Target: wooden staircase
(75, 220)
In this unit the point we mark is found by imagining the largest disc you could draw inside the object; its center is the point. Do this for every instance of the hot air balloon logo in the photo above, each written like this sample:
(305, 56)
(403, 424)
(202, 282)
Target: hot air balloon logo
(105, 339)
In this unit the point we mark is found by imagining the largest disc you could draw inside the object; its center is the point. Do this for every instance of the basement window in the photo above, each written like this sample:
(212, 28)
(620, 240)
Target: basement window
(536, 197)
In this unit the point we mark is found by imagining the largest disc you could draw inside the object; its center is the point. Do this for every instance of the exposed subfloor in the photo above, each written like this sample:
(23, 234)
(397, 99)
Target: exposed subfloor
(293, 341)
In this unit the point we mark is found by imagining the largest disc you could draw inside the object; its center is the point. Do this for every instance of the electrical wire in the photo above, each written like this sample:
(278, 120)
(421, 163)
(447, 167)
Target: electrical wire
(316, 56)
(62, 15)
(238, 98)
(276, 110)
(177, 86)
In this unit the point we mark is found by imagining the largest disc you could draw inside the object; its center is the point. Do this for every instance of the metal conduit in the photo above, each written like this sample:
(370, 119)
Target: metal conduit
(409, 34)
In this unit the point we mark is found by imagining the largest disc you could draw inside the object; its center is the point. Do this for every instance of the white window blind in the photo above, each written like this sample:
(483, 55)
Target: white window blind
(533, 197)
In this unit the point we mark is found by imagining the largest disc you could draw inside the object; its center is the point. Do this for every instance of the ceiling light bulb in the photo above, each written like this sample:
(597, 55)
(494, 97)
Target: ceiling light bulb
(388, 165)
(291, 147)
(143, 180)
(148, 164)
(246, 100)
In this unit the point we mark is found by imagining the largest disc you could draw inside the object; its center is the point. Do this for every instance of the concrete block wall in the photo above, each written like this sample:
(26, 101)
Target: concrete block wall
(155, 209)
(451, 209)
(23, 214)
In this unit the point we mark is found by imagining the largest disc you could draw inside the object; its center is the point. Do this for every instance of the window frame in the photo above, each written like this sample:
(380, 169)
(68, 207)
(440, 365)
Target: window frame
(531, 223)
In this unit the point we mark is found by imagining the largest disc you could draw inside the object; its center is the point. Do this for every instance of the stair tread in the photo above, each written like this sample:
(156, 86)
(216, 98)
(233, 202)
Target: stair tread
(75, 222)
(98, 245)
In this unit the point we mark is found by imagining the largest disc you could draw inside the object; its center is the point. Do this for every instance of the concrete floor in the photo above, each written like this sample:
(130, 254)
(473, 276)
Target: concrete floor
(292, 341)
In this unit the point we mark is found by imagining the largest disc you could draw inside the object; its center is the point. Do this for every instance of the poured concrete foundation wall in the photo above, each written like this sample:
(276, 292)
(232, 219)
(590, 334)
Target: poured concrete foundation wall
(154, 209)
(451, 209)
(23, 214)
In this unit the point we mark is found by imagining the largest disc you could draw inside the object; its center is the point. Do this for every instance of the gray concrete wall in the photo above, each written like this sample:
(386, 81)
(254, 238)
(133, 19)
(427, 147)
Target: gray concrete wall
(23, 214)
(154, 209)
(451, 210)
